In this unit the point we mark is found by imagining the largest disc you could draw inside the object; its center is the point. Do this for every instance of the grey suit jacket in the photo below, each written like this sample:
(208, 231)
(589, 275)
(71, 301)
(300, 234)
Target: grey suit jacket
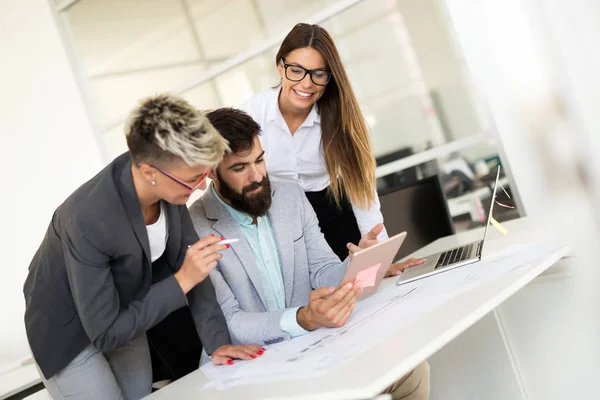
(91, 279)
(307, 262)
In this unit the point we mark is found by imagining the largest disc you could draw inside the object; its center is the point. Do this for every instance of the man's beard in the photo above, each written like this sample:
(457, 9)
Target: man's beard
(255, 205)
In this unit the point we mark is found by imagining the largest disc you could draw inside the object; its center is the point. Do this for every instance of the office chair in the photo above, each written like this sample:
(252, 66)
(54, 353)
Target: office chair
(420, 209)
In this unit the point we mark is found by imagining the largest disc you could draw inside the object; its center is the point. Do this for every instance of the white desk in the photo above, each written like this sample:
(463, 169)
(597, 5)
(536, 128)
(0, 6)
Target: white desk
(369, 373)
(18, 380)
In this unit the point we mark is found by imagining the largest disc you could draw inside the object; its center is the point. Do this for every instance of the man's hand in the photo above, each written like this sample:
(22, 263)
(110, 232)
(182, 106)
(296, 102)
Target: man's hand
(225, 354)
(366, 241)
(396, 269)
(200, 259)
(328, 307)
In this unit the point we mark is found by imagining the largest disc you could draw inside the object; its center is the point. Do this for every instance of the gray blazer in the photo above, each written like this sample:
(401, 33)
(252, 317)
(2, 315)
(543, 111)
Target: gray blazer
(90, 280)
(307, 262)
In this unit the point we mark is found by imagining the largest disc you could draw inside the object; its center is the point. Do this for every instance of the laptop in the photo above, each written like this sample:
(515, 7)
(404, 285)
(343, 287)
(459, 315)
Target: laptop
(452, 258)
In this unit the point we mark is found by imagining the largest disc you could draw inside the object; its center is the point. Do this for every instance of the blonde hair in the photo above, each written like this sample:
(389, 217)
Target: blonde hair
(345, 137)
(164, 127)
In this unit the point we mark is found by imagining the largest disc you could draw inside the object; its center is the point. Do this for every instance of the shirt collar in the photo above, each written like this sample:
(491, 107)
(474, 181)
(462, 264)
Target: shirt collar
(274, 114)
(239, 217)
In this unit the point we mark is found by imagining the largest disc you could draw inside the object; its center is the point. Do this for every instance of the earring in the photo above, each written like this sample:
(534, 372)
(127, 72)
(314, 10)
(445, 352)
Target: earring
(153, 183)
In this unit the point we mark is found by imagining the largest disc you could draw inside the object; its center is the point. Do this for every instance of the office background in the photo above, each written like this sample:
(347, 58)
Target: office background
(414, 88)
(457, 85)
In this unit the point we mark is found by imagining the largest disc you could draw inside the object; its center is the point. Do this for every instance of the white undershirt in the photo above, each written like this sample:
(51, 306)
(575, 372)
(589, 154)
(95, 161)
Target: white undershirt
(158, 234)
(299, 157)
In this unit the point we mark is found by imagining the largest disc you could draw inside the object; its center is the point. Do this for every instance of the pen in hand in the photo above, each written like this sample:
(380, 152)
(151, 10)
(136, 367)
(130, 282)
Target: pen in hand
(228, 241)
(225, 241)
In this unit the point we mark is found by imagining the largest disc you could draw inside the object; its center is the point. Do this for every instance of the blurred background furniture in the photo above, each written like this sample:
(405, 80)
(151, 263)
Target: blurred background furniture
(418, 208)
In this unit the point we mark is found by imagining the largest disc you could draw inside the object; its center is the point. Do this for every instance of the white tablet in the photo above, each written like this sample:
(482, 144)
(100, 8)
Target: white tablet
(370, 265)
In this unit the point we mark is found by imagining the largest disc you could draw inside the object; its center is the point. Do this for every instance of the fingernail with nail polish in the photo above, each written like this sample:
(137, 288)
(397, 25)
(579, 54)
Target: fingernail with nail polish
(230, 362)
(251, 356)
(228, 246)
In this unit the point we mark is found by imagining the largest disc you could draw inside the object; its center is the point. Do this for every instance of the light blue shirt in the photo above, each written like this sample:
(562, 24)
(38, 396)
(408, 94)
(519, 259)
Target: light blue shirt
(261, 239)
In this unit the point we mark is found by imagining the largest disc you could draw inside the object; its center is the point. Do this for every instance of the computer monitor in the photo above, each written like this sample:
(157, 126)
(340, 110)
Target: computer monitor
(420, 209)
(405, 176)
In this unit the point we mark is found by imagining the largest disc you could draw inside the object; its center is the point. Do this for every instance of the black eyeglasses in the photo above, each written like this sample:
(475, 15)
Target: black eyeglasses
(296, 73)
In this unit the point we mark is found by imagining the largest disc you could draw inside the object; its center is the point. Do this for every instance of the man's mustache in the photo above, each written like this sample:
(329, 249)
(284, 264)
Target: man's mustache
(254, 186)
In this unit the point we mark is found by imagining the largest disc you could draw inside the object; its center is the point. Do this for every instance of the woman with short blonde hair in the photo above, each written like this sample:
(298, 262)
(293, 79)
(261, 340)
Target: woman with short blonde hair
(121, 254)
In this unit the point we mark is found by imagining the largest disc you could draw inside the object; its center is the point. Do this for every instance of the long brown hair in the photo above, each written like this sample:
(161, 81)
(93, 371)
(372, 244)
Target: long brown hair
(345, 137)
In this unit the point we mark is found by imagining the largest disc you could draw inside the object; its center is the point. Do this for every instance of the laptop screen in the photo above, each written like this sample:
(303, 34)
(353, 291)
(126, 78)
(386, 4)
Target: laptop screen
(491, 209)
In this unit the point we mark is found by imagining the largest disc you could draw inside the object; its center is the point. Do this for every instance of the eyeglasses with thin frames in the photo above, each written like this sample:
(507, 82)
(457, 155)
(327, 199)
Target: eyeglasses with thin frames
(192, 189)
(296, 73)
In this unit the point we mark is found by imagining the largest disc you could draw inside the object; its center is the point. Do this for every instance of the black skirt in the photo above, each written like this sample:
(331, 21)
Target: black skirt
(338, 224)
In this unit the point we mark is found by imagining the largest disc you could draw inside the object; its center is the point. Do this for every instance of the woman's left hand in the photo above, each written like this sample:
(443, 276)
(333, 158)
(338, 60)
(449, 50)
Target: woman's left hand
(370, 239)
(224, 355)
(396, 269)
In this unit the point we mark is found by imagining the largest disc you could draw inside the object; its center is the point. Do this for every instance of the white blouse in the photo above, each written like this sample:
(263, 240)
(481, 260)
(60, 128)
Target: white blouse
(299, 157)
(158, 234)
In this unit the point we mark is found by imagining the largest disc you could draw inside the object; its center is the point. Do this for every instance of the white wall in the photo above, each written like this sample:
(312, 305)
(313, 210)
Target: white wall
(474, 366)
(573, 29)
(535, 87)
(49, 148)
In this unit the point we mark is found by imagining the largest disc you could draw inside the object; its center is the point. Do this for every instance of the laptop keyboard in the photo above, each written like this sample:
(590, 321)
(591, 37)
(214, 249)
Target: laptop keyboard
(455, 255)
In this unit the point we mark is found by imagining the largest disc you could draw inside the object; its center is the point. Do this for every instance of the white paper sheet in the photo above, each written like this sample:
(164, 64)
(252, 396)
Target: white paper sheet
(373, 320)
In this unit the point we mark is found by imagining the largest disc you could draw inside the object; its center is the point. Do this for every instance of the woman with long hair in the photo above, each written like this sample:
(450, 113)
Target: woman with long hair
(314, 133)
